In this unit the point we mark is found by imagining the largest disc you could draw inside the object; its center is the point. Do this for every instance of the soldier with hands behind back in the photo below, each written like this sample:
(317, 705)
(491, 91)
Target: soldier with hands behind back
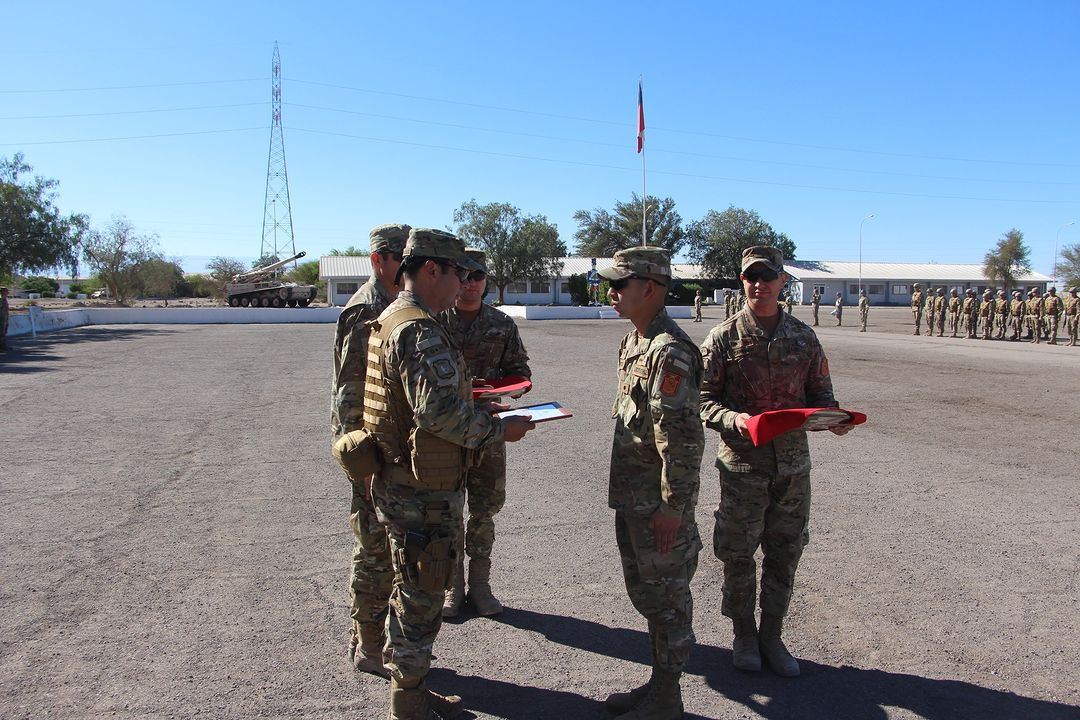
(655, 474)
(758, 361)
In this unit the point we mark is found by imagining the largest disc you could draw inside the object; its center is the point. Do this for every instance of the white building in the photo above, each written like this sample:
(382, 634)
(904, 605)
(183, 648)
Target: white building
(890, 283)
(344, 274)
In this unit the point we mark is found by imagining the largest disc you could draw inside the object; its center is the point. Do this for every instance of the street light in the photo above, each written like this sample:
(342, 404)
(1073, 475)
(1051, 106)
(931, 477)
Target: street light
(1058, 237)
(860, 249)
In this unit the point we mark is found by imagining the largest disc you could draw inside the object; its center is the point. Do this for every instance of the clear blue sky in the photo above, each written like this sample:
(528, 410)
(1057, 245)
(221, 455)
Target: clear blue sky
(951, 122)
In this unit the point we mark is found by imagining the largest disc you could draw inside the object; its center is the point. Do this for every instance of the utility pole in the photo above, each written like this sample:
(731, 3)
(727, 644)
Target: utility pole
(277, 231)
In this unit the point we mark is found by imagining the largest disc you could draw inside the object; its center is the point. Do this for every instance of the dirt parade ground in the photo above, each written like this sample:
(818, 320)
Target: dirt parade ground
(175, 536)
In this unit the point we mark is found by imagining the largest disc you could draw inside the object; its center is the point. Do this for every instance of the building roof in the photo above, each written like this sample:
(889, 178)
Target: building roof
(808, 270)
(344, 266)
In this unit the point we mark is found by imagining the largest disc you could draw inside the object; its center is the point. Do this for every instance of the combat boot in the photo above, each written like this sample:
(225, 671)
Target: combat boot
(445, 706)
(366, 654)
(410, 703)
(772, 647)
(624, 702)
(455, 596)
(480, 588)
(745, 654)
(662, 701)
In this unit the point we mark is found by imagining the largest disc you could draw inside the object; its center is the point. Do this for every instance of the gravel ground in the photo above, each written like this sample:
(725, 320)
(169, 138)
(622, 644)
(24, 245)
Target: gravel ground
(175, 537)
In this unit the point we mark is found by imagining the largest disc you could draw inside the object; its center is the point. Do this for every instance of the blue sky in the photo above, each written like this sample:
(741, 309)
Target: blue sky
(951, 122)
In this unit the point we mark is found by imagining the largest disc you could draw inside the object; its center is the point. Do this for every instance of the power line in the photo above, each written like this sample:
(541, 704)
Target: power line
(133, 87)
(679, 174)
(134, 137)
(130, 112)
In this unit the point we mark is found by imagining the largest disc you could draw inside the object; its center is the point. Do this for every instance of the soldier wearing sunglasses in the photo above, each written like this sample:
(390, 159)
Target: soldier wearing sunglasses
(492, 347)
(760, 360)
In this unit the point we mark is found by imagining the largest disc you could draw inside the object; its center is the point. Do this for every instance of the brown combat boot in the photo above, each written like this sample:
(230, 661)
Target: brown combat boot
(662, 701)
(410, 703)
(480, 588)
(745, 654)
(455, 596)
(624, 702)
(366, 649)
(773, 649)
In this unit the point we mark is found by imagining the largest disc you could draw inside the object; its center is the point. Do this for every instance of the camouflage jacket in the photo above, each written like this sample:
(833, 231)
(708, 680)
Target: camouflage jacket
(1002, 307)
(1052, 305)
(939, 305)
(656, 453)
(350, 355)
(916, 300)
(1017, 308)
(1035, 307)
(970, 306)
(864, 304)
(815, 300)
(1072, 306)
(748, 371)
(954, 305)
(986, 309)
(425, 373)
(491, 344)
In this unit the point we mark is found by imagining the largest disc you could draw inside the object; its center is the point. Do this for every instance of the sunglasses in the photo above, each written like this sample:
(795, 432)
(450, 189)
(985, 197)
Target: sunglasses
(754, 274)
(620, 285)
(462, 273)
(477, 276)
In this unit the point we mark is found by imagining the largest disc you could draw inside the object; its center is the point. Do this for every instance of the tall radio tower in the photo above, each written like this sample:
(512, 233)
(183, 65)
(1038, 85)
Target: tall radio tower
(277, 233)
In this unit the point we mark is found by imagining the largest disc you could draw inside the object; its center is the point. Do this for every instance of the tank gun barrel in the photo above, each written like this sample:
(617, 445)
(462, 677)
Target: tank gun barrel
(259, 271)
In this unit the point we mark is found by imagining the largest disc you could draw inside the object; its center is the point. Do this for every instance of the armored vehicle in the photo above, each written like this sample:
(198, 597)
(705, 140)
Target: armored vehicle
(261, 288)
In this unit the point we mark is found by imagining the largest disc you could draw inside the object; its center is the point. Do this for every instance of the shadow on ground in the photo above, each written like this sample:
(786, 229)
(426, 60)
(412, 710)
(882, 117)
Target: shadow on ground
(27, 354)
(823, 691)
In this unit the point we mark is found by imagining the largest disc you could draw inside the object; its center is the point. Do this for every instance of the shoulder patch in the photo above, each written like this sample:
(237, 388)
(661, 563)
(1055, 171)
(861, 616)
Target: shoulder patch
(670, 384)
(824, 367)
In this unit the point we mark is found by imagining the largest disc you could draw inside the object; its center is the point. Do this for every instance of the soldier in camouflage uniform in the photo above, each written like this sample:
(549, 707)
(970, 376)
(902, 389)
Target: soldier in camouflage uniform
(1035, 315)
(928, 310)
(815, 301)
(916, 306)
(757, 362)
(970, 310)
(371, 573)
(419, 413)
(1001, 307)
(939, 312)
(1016, 315)
(1052, 309)
(789, 302)
(655, 474)
(492, 347)
(954, 311)
(864, 310)
(697, 306)
(1072, 315)
(986, 314)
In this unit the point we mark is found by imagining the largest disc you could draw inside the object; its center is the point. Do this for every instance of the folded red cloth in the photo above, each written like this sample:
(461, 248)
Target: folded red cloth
(768, 425)
(511, 385)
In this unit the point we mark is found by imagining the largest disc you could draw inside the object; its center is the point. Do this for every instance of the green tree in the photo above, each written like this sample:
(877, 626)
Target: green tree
(351, 250)
(270, 259)
(39, 284)
(1010, 258)
(601, 233)
(33, 233)
(1068, 267)
(716, 241)
(517, 246)
(224, 269)
(305, 273)
(115, 255)
(157, 277)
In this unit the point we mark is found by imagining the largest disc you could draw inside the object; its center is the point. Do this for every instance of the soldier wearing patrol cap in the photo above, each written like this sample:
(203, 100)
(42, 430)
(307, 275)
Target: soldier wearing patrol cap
(1072, 315)
(371, 572)
(1035, 315)
(492, 347)
(1052, 309)
(655, 474)
(954, 311)
(986, 314)
(917, 306)
(764, 490)
(1016, 315)
(419, 414)
(970, 310)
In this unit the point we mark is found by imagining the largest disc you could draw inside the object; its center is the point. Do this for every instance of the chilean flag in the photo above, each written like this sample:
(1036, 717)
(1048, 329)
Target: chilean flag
(640, 119)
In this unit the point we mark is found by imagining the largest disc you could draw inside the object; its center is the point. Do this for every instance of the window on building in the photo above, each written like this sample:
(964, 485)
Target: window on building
(347, 288)
(518, 287)
(875, 289)
(540, 285)
(900, 290)
(853, 289)
(819, 289)
(564, 288)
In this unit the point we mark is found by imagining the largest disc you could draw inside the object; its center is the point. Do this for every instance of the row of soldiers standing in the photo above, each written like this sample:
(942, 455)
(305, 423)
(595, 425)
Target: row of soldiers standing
(993, 317)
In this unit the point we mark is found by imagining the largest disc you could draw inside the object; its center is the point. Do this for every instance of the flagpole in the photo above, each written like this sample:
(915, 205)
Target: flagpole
(644, 194)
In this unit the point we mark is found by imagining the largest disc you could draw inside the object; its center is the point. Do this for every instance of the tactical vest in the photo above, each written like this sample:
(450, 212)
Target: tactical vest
(412, 456)
(1051, 305)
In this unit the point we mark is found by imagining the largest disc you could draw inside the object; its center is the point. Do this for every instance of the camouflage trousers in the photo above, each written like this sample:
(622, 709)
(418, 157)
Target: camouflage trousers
(416, 521)
(1002, 325)
(1072, 323)
(767, 510)
(987, 326)
(1052, 324)
(863, 314)
(971, 324)
(954, 323)
(816, 310)
(1034, 326)
(659, 585)
(1016, 326)
(929, 314)
(371, 574)
(918, 319)
(486, 495)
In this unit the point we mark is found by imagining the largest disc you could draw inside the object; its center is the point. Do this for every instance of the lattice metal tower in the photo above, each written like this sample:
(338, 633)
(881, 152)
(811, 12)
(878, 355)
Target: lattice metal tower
(277, 233)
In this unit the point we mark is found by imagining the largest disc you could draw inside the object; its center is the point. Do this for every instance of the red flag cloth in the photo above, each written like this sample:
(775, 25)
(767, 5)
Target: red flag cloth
(511, 385)
(768, 425)
(640, 119)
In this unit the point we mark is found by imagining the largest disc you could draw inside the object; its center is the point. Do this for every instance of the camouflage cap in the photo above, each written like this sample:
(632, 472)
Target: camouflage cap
(479, 257)
(653, 263)
(771, 257)
(432, 243)
(916, 285)
(389, 238)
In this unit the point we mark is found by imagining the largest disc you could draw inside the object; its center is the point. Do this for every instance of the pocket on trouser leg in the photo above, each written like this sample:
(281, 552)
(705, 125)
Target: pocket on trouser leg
(433, 565)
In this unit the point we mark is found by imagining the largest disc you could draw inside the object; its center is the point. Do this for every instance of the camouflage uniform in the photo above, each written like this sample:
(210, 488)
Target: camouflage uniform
(986, 315)
(697, 306)
(371, 573)
(1035, 316)
(916, 306)
(1016, 315)
(939, 312)
(789, 303)
(418, 408)
(764, 491)
(1001, 307)
(1052, 309)
(815, 301)
(954, 312)
(1072, 314)
(492, 349)
(928, 311)
(864, 312)
(971, 314)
